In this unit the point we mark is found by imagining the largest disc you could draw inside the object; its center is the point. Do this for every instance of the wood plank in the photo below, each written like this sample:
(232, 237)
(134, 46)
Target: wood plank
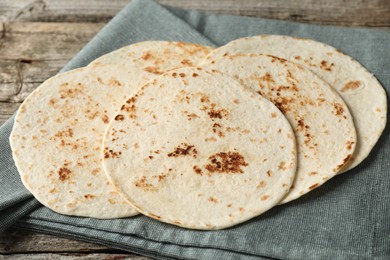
(16, 241)
(79, 256)
(348, 12)
(21, 244)
(30, 53)
(45, 41)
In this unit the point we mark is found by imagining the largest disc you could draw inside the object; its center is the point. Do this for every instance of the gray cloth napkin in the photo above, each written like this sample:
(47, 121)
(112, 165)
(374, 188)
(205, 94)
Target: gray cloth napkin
(346, 218)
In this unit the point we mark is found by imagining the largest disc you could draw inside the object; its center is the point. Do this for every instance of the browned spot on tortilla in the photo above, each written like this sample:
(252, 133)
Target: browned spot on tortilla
(119, 117)
(154, 70)
(339, 110)
(229, 162)
(187, 62)
(204, 98)
(236, 101)
(114, 82)
(195, 75)
(162, 176)
(229, 205)
(105, 119)
(314, 186)
(52, 101)
(70, 92)
(64, 174)
(273, 115)
(131, 109)
(150, 157)
(99, 80)
(274, 58)
(351, 85)
(301, 124)
(143, 184)
(269, 173)
(95, 171)
(54, 190)
(324, 65)
(268, 78)
(182, 75)
(184, 149)
(210, 139)
(154, 216)
(65, 133)
(136, 145)
(261, 184)
(349, 144)
(217, 130)
(216, 113)
(197, 170)
(110, 153)
(313, 173)
(282, 103)
(146, 56)
(191, 116)
(297, 57)
(212, 199)
(282, 166)
(307, 139)
(341, 165)
(191, 49)
(264, 197)
(241, 209)
(89, 196)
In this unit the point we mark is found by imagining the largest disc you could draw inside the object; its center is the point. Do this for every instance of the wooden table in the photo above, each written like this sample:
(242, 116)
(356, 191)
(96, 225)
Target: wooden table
(38, 37)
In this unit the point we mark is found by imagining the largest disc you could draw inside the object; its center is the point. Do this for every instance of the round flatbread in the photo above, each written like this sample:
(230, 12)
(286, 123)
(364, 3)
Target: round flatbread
(57, 135)
(321, 121)
(196, 149)
(361, 91)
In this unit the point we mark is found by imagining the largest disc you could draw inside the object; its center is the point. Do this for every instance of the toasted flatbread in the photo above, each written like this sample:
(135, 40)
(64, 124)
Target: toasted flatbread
(57, 135)
(196, 149)
(360, 90)
(321, 121)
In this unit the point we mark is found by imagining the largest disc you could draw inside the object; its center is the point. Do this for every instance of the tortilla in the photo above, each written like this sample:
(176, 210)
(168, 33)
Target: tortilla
(57, 135)
(321, 121)
(361, 91)
(196, 149)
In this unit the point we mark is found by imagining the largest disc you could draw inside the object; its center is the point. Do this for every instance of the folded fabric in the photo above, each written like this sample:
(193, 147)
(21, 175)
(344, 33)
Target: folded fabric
(347, 218)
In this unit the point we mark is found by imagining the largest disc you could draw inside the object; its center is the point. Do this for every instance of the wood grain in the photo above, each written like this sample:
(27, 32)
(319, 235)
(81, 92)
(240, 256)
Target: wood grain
(79, 256)
(28, 244)
(32, 52)
(346, 12)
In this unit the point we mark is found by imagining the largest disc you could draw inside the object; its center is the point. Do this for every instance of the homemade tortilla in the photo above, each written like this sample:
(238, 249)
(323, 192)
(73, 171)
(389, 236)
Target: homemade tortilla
(57, 135)
(361, 91)
(321, 121)
(196, 149)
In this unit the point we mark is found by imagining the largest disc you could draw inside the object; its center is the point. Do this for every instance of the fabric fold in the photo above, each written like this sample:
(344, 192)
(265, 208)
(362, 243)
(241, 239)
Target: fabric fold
(347, 218)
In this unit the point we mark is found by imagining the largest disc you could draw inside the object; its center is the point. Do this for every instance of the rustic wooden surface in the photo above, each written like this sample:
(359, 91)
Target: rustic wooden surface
(38, 37)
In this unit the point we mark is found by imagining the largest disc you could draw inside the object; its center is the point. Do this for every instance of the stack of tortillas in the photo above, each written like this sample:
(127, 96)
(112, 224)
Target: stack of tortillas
(195, 137)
